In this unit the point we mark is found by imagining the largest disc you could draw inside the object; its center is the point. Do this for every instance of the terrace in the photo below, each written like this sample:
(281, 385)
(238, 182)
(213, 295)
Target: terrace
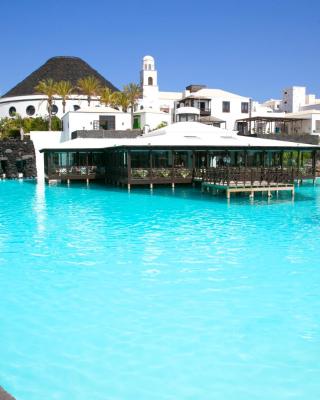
(160, 166)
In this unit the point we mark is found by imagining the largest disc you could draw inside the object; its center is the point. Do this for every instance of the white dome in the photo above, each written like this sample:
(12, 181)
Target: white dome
(148, 58)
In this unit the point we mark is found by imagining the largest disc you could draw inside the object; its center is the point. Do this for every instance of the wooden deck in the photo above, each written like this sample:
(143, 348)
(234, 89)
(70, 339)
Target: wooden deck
(248, 180)
(247, 187)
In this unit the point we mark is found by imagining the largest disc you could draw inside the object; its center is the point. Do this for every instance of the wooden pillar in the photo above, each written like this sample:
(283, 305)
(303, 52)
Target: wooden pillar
(298, 165)
(314, 155)
(172, 168)
(129, 169)
(150, 168)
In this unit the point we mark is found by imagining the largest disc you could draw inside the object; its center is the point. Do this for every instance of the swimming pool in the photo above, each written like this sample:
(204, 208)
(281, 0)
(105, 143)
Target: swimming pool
(106, 294)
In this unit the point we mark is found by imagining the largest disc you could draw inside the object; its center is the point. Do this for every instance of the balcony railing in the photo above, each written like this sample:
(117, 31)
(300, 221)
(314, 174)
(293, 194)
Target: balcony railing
(155, 174)
(252, 175)
(75, 172)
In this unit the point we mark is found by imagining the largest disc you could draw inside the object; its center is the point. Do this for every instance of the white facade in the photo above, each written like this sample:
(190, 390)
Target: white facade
(88, 119)
(151, 119)
(218, 103)
(293, 98)
(36, 105)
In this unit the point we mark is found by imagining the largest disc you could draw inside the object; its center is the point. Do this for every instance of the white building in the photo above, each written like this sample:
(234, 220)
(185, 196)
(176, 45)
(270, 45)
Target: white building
(157, 107)
(105, 118)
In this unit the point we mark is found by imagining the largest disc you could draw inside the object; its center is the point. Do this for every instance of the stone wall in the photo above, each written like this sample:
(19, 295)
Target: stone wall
(106, 134)
(17, 156)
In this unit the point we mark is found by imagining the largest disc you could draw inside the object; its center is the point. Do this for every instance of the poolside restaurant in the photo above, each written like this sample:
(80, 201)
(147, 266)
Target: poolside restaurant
(183, 152)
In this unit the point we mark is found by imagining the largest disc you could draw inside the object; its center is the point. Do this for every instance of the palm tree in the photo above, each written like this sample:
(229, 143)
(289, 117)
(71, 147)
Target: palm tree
(106, 96)
(48, 88)
(90, 86)
(123, 101)
(64, 89)
(133, 93)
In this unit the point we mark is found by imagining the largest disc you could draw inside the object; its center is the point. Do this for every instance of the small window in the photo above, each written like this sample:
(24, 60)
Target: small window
(54, 109)
(150, 81)
(226, 106)
(145, 66)
(12, 111)
(30, 110)
(149, 67)
(245, 107)
(76, 108)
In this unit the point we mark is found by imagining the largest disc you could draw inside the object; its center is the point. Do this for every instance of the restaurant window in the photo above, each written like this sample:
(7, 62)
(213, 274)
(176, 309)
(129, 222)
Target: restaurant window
(140, 159)
(245, 107)
(226, 106)
(183, 159)
(162, 159)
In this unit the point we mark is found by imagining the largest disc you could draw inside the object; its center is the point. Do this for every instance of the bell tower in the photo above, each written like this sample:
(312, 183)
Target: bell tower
(149, 83)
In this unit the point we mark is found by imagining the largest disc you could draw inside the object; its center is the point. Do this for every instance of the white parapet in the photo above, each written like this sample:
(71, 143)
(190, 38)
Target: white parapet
(42, 139)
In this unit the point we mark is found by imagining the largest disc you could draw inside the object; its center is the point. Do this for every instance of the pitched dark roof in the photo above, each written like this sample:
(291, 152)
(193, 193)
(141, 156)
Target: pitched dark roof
(57, 68)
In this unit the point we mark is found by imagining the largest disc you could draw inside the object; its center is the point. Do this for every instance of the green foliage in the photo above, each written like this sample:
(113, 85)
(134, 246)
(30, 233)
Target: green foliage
(162, 124)
(56, 124)
(10, 127)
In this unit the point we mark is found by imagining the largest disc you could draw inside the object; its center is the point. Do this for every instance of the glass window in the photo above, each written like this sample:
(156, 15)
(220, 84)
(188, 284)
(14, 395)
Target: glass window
(12, 111)
(107, 122)
(245, 107)
(140, 159)
(226, 106)
(162, 159)
(183, 159)
(30, 110)
(76, 107)
(54, 109)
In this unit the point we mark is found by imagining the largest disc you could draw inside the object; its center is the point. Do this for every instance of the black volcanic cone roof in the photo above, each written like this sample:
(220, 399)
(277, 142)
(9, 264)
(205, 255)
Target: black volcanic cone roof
(57, 68)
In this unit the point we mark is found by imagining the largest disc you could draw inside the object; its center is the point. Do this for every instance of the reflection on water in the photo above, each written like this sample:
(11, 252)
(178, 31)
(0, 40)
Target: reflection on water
(39, 207)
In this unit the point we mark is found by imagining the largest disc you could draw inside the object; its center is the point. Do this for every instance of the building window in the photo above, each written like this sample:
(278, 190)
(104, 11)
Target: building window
(107, 122)
(76, 108)
(226, 106)
(12, 111)
(149, 67)
(30, 110)
(245, 107)
(150, 81)
(54, 109)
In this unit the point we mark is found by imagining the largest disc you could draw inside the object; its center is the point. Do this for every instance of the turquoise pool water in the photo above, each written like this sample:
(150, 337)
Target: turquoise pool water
(109, 295)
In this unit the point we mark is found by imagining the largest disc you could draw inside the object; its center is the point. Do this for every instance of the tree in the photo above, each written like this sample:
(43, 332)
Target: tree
(48, 88)
(106, 96)
(90, 86)
(133, 93)
(64, 89)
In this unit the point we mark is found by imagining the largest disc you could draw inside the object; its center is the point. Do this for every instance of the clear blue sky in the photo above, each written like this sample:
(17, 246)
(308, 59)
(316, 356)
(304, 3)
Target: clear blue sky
(253, 48)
